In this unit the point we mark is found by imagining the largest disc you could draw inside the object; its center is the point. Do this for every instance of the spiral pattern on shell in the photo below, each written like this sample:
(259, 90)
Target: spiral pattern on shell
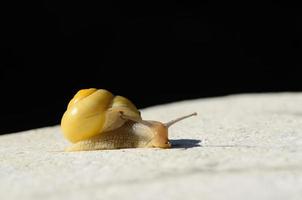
(94, 111)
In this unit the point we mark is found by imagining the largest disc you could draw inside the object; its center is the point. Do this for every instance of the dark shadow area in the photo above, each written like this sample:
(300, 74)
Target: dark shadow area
(149, 53)
(185, 143)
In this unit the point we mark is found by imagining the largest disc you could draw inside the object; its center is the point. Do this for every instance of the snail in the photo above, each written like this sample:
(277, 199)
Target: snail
(95, 119)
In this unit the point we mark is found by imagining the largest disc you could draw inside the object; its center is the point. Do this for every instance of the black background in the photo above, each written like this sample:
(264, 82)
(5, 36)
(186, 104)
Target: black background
(149, 53)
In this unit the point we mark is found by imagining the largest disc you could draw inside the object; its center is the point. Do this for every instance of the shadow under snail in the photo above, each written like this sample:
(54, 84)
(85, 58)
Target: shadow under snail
(95, 119)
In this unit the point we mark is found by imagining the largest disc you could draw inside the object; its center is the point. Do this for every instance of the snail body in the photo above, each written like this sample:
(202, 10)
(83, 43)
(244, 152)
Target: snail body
(95, 119)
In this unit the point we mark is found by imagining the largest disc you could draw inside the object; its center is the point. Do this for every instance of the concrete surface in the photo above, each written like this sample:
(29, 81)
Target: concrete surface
(238, 147)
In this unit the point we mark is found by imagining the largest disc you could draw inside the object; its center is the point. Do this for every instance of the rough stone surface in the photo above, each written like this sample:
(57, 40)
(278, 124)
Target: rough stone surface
(238, 147)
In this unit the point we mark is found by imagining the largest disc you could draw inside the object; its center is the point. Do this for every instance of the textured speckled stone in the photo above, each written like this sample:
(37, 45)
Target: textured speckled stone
(238, 147)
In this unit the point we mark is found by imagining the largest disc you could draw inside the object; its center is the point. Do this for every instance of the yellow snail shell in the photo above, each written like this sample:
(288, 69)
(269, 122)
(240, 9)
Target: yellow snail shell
(96, 119)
